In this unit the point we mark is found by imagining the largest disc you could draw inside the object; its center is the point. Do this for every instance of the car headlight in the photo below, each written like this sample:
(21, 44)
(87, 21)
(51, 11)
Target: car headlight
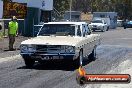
(24, 48)
(31, 49)
(69, 49)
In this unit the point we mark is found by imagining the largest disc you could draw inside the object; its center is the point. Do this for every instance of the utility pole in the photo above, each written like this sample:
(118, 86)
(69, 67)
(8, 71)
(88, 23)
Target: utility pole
(70, 8)
(91, 6)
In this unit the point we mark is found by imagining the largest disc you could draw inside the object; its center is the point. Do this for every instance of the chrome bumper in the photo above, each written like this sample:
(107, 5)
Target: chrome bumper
(56, 54)
(50, 56)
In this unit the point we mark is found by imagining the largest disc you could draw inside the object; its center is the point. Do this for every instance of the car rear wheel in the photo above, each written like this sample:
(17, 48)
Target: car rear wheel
(29, 62)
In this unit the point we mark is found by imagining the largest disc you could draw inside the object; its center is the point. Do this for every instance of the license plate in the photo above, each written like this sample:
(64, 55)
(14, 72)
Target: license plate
(45, 58)
(52, 58)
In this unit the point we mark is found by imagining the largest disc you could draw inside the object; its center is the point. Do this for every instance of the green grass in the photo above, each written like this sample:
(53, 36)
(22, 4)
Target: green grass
(1, 35)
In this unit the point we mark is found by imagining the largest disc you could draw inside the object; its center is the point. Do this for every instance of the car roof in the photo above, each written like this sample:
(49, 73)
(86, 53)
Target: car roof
(75, 23)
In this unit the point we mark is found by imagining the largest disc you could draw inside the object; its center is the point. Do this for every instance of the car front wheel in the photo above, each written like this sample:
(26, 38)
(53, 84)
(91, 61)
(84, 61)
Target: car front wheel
(103, 30)
(107, 28)
(28, 61)
(93, 56)
(125, 27)
(79, 60)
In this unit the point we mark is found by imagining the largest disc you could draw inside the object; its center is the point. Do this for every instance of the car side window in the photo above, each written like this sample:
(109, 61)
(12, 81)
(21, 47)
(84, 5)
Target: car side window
(78, 31)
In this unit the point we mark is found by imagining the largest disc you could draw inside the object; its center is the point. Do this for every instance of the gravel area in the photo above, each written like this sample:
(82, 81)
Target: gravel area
(4, 43)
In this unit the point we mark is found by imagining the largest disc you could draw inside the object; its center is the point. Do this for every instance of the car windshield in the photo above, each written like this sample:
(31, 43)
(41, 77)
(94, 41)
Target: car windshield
(97, 21)
(57, 29)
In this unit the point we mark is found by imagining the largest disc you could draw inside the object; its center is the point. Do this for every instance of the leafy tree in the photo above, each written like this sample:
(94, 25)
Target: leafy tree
(61, 5)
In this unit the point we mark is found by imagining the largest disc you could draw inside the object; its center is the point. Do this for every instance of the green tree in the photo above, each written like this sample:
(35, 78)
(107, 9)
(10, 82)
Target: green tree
(61, 5)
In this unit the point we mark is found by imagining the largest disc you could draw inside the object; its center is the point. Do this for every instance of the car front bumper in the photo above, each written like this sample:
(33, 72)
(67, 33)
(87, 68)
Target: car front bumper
(49, 56)
(129, 25)
(96, 28)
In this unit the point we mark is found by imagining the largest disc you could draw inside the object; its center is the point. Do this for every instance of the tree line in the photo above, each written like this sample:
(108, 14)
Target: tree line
(122, 7)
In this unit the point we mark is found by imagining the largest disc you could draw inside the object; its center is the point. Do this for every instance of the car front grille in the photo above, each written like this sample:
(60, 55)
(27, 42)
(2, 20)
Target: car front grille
(48, 49)
(94, 26)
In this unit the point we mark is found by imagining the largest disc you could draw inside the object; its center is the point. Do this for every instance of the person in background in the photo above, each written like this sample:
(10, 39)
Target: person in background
(0, 26)
(12, 32)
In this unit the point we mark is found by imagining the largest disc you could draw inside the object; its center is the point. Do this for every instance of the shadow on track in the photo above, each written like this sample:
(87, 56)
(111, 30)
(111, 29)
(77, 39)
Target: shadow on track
(55, 65)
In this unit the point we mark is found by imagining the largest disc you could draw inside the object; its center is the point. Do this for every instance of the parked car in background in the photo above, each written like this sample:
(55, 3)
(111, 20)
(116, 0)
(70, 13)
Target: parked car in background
(111, 16)
(128, 24)
(70, 41)
(120, 23)
(98, 24)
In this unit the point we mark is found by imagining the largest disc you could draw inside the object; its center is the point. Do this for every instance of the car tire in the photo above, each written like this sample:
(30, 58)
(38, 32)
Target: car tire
(124, 27)
(79, 60)
(29, 62)
(103, 30)
(107, 28)
(92, 56)
(0, 26)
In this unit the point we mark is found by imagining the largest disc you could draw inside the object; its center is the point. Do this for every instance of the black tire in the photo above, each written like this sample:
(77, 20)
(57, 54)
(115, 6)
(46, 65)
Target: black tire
(79, 60)
(29, 62)
(124, 27)
(103, 30)
(93, 30)
(107, 28)
(0, 27)
(92, 56)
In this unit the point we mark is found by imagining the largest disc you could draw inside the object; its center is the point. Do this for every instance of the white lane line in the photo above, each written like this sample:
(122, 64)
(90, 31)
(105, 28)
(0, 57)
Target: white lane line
(9, 58)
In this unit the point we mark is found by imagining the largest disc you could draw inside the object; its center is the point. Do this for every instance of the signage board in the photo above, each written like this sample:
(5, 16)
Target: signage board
(14, 9)
(1, 9)
(42, 4)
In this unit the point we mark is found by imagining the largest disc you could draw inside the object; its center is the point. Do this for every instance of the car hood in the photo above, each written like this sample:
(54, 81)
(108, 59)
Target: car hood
(53, 40)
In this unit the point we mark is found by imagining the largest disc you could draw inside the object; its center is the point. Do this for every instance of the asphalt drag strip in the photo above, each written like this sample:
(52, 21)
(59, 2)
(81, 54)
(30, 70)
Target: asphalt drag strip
(13, 73)
(112, 59)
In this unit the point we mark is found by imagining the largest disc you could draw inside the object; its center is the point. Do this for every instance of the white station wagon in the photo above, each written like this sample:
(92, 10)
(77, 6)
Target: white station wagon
(60, 40)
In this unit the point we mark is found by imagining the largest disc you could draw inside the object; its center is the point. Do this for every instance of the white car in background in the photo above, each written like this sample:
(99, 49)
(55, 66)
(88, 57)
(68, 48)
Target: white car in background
(99, 24)
(60, 40)
(120, 23)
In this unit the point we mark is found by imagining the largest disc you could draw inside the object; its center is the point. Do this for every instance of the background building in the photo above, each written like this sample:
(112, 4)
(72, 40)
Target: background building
(37, 11)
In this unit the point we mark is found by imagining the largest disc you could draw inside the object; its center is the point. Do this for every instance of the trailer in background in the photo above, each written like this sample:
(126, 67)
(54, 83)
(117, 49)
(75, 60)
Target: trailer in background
(75, 15)
(111, 15)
